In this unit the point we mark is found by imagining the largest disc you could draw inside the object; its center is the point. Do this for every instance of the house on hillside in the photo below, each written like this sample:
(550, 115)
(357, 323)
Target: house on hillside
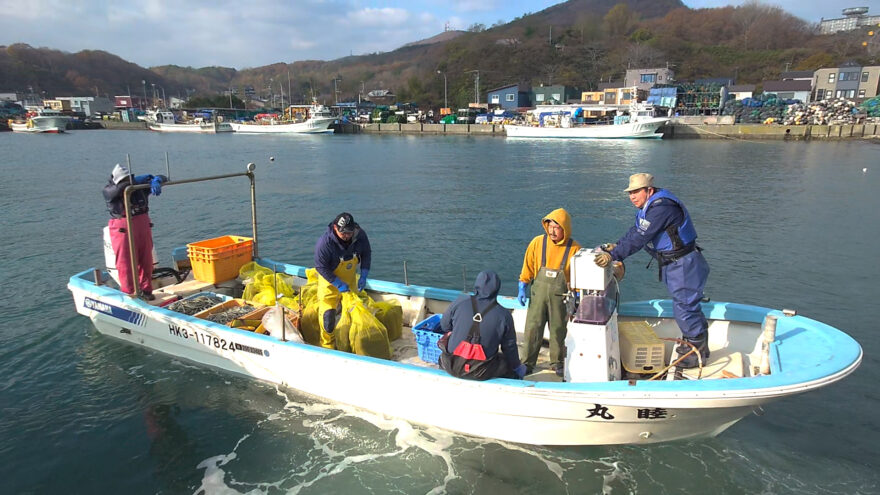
(741, 91)
(509, 97)
(850, 81)
(381, 96)
(645, 79)
(552, 95)
(789, 90)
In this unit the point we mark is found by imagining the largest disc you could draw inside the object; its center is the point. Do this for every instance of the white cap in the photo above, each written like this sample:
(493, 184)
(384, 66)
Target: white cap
(119, 172)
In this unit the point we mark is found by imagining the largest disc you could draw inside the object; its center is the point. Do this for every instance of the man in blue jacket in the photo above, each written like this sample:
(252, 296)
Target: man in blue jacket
(664, 229)
(342, 258)
(479, 327)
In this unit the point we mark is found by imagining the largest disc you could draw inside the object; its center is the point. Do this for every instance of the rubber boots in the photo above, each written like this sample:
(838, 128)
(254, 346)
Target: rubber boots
(701, 342)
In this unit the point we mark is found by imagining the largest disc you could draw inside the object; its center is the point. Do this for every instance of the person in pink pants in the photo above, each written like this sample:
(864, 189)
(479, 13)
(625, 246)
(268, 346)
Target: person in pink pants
(120, 178)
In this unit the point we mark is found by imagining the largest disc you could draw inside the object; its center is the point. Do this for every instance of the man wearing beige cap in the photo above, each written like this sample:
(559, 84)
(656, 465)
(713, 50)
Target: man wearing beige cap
(664, 229)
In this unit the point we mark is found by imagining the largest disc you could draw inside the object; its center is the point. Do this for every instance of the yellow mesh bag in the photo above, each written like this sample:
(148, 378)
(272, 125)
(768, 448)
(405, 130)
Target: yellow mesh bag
(250, 269)
(391, 315)
(308, 325)
(366, 334)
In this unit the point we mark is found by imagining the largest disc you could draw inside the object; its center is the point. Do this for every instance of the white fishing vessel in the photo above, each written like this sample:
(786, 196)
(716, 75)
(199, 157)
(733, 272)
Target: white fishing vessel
(621, 385)
(164, 121)
(44, 120)
(558, 121)
(298, 119)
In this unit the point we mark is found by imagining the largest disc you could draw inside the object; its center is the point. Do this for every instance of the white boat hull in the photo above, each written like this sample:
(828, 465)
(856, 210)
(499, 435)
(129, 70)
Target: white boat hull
(45, 124)
(529, 412)
(645, 128)
(318, 125)
(203, 128)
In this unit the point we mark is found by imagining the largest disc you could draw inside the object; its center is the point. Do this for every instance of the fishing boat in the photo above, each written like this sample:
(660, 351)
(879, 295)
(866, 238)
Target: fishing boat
(164, 121)
(44, 120)
(297, 119)
(560, 121)
(621, 385)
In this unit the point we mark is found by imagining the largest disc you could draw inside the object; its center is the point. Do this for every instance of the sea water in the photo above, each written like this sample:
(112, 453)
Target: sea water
(783, 225)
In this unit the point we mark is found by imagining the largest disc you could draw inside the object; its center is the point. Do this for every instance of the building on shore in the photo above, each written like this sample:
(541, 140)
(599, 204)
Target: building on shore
(853, 18)
(851, 81)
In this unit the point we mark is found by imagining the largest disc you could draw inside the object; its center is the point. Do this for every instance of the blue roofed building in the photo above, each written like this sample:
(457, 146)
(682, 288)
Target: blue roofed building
(509, 97)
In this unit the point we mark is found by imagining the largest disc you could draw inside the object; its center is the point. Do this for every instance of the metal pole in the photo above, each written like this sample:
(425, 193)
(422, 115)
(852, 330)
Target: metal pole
(405, 277)
(134, 187)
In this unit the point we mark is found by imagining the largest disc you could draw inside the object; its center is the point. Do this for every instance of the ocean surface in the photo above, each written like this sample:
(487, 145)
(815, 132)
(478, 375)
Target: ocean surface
(783, 224)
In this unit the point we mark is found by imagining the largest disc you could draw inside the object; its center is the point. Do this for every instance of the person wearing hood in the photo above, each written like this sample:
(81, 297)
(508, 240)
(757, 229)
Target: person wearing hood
(476, 326)
(544, 282)
(342, 259)
(663, 228)
(114, 195)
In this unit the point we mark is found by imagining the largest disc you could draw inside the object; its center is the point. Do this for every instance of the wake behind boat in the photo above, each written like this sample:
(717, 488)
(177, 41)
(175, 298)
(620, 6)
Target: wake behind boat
(298, 119)
(559, 121)
(619, 388)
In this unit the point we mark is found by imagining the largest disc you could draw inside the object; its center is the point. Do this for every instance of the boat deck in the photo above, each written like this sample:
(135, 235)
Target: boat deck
(727, 360)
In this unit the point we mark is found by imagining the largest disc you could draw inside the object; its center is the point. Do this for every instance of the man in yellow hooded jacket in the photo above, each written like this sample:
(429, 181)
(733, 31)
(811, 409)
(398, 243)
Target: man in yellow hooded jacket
(545, 268)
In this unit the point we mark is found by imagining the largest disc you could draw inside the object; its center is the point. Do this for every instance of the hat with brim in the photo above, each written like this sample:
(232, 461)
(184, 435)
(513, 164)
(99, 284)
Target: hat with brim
(345, 223)
(119, 172)
(639, 181)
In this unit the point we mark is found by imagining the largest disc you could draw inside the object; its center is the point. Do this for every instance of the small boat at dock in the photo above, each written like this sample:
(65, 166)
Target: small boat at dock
(44, 120)
(621, 385)
(297, 119)
(164, 121)
(560, 121)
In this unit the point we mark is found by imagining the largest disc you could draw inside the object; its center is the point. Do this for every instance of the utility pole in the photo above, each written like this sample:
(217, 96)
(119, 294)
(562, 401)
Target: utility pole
(445, 101)
(476, 85)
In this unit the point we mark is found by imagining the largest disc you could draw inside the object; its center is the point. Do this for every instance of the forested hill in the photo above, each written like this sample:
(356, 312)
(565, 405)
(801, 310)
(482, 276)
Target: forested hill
(578, 43)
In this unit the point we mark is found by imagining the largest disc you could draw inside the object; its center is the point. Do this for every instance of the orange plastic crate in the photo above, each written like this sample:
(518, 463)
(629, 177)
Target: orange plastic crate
(219, 259)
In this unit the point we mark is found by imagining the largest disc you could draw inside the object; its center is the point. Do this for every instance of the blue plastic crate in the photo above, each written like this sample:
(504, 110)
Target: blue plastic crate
(427, 334)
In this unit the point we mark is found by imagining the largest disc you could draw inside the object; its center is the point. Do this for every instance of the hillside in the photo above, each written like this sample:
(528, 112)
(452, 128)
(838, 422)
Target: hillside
(578, 43)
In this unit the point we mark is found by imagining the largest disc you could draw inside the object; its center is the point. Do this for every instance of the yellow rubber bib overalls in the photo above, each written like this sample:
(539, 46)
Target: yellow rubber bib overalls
(547, 306)
(329, 298)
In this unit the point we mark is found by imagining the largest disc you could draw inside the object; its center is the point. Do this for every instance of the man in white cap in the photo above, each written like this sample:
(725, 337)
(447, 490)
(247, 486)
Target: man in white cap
(120, 179)
(664, 229)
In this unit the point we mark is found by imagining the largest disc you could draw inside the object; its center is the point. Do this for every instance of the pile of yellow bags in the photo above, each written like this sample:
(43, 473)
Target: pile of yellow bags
(365, 327)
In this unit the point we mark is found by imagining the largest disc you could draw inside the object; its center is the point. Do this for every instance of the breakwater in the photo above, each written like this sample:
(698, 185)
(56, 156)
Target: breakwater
(672, 131)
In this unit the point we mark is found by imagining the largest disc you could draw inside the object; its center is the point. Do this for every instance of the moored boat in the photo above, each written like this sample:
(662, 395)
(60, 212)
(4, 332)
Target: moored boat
(42, 121)
(298, 119)
(598, 404)
(559, 122)
(164, 121)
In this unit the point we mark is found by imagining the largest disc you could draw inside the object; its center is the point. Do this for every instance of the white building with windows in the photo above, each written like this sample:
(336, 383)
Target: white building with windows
(853, 18)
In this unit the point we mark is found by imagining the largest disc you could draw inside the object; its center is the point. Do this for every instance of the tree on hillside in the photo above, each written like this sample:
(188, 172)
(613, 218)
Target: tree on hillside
(619, 21)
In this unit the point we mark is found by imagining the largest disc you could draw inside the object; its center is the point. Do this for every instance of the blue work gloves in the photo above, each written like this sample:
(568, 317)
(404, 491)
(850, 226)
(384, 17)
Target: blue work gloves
(156, 184)
(339, 284)
(362, 282)
(523, 293)
(142, 179)
(520, 371)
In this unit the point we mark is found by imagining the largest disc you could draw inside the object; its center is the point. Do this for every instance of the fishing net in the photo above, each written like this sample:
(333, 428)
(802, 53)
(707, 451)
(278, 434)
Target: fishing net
(363, 333)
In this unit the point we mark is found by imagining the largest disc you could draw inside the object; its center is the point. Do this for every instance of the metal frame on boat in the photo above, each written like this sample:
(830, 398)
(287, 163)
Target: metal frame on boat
(805, 355)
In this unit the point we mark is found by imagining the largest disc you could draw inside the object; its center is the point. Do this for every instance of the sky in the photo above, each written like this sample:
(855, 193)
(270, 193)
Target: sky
(253, 33)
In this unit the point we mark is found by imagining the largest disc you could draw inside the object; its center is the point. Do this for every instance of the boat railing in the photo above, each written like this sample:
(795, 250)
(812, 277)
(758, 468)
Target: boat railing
(132, 250)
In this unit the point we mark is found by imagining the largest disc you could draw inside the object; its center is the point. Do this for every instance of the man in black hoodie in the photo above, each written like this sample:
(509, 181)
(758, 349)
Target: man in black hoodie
(472, 347)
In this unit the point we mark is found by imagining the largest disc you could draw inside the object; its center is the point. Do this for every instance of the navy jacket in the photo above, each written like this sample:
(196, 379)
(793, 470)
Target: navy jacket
(496, 329)
(662, 213)
(329, 250)
(113, 195)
